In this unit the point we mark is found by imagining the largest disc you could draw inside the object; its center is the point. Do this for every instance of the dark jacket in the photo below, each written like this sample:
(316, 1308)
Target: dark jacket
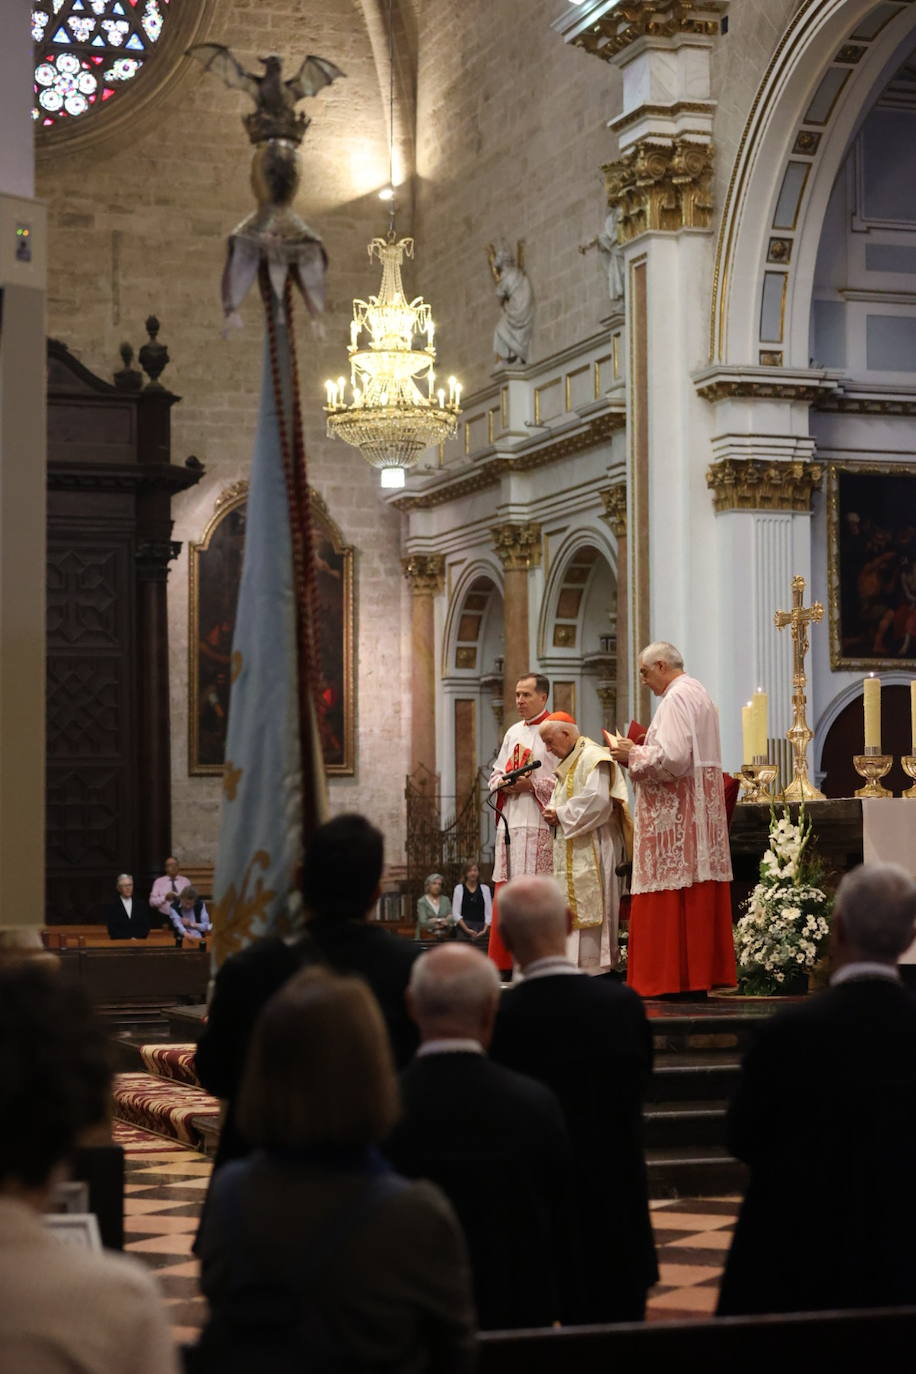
(495, 1143)
(121, 927)
(249, 979)
(385, 1277)
(825, 1115)
(588, 1039)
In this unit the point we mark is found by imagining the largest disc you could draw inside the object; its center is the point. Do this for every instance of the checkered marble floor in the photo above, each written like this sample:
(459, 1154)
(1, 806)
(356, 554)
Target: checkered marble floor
(165, 1189)
(165, 1184)
(692, 1238)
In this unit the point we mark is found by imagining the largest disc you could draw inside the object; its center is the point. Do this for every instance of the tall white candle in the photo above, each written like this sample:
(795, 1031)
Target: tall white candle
(760, 723)
(913, 716)
(872, 708)
(747, 733)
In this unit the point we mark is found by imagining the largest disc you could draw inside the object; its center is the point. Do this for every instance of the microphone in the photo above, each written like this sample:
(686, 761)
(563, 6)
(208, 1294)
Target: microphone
(520, 772)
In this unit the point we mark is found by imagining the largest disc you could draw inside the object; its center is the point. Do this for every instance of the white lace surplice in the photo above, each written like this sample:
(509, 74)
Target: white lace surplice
(531, 848)
(681, 829)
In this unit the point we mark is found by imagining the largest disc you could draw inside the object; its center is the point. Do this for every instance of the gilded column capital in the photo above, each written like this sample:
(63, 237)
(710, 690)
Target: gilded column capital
(621, 25)
(763, 484)
(615, 509)
(661, 184)
(425, 572)
(518, 546)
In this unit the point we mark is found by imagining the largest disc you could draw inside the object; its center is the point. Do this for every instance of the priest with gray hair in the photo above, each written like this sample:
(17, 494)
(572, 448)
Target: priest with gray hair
(592, 839)
(681, 941)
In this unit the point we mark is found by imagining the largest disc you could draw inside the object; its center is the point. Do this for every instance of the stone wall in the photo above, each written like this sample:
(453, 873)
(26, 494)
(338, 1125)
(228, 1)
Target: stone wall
(511, 137)
(141, 228)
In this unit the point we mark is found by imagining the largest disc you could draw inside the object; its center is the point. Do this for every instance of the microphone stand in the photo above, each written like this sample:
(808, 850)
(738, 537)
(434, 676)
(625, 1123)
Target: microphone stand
(500, 816)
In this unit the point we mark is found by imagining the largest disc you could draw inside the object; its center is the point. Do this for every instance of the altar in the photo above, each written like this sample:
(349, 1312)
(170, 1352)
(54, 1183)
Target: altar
(847, 831)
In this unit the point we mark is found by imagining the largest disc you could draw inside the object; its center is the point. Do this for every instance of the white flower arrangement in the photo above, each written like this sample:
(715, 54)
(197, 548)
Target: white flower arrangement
(785, 930)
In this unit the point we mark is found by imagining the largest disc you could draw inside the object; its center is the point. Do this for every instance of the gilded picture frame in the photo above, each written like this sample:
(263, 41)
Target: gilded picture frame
(871, 565)
(215, 565)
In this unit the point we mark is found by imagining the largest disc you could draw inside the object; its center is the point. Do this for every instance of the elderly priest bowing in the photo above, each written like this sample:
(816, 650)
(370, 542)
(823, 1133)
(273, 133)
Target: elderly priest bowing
(680, 917)
(592, 835)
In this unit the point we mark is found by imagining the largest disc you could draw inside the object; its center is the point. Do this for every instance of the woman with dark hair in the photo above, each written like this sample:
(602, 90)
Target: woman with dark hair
(315, 1255)
(472, 906)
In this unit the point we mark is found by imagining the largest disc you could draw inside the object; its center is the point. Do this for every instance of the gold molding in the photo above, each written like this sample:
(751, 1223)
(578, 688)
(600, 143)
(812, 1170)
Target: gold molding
(425, 572)
(518, 546)
(635, 19)
(763, 484)
(721, 389)
(866, 405)
(615, 509)
(167, 70)
(490, 471)
(661, 184)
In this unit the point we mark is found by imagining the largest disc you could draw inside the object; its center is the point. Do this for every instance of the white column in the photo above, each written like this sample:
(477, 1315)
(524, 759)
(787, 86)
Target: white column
(23, 249)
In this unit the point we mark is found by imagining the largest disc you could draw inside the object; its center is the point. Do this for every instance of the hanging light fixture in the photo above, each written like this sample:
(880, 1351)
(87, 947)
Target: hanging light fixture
(388, 417)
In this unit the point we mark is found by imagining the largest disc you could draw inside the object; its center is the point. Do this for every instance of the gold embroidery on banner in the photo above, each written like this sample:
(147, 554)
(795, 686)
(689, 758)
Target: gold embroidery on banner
(231, 779)
(236, 665)
(236, 913)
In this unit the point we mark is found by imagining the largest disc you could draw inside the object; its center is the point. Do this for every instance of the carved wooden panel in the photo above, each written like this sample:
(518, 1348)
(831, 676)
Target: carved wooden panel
(86, 607)
(85, 707)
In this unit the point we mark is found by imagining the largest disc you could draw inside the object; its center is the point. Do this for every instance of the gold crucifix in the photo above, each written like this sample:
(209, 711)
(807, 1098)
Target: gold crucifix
(801, 788)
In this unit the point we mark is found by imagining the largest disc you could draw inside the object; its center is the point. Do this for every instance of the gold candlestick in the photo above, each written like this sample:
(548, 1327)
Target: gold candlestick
(801, 788)
(909, 767)
(873, 766)
(755, 779)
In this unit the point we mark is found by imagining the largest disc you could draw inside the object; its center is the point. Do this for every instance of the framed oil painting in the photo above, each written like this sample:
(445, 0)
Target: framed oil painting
(872, 565)
(215, 573)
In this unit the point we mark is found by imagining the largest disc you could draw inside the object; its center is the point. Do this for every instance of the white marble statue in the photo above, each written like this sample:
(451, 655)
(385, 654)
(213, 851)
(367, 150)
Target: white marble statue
(512, 336)
(607, 241)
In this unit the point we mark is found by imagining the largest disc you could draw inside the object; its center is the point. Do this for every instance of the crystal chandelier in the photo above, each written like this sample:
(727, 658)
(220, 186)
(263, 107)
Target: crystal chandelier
(389, 418)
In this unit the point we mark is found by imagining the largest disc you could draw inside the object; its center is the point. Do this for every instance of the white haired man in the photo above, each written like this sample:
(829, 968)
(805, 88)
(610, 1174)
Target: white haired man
(830, 1082)
(681, 941)
(492, 1139)
(592, 828)
(126, 916)
(588, 1039)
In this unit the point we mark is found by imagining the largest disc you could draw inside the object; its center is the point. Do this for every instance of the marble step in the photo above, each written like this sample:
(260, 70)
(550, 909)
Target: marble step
(702, 1076)
(694, 1171)
(670, 1124)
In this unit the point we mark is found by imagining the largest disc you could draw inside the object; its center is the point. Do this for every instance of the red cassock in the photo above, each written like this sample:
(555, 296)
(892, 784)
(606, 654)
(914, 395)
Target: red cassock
(680, 913)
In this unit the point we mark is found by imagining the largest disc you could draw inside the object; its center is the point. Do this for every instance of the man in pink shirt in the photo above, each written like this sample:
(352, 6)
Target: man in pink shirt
(167, 888)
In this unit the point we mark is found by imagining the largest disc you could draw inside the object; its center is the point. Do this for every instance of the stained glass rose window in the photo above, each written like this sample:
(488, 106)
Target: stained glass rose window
(87, 51)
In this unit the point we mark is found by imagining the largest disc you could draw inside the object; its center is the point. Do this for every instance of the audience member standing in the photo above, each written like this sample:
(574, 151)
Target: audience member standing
(126, 916)
(825, 1116)
(62, 1310)
(588, 1039)
(340, 887)
(314, 1255)
(493, 1140)
(167, 888)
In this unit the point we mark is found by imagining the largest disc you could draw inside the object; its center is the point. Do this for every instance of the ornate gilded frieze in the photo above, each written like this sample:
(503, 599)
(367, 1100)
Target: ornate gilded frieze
(425, 572)
(760, 484)
(661, 184)
(518, 546)
(625, 23)
(615, 509)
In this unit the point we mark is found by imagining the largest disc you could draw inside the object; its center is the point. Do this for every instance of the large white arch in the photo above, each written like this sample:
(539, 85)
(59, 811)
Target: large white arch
(811, 44)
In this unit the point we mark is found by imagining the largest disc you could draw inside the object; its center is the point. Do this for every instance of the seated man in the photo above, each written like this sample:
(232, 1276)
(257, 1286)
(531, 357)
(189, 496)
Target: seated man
(592, 827)
(127, 916)
(493, 1140)
(190, 919)
(830, 1086)
(61, 1309)
(588, 1039)
(167, 888)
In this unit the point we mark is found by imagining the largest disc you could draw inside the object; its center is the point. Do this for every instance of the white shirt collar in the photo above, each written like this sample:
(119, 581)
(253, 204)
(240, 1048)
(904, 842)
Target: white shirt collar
(866, 968)
(449, 1046)
(546, 968)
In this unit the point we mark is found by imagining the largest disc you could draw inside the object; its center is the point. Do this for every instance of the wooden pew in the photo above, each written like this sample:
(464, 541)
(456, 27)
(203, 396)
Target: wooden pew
(788, 1341)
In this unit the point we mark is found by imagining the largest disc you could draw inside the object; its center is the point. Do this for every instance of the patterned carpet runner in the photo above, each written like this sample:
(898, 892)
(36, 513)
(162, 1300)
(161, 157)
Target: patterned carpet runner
(171, 1061)
(172, 1109)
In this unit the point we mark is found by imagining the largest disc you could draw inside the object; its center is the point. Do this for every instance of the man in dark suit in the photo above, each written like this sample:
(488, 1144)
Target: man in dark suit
(340, 887)
(588, 1039)
(127, 917)
(825, 1115)
(492, 1139)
